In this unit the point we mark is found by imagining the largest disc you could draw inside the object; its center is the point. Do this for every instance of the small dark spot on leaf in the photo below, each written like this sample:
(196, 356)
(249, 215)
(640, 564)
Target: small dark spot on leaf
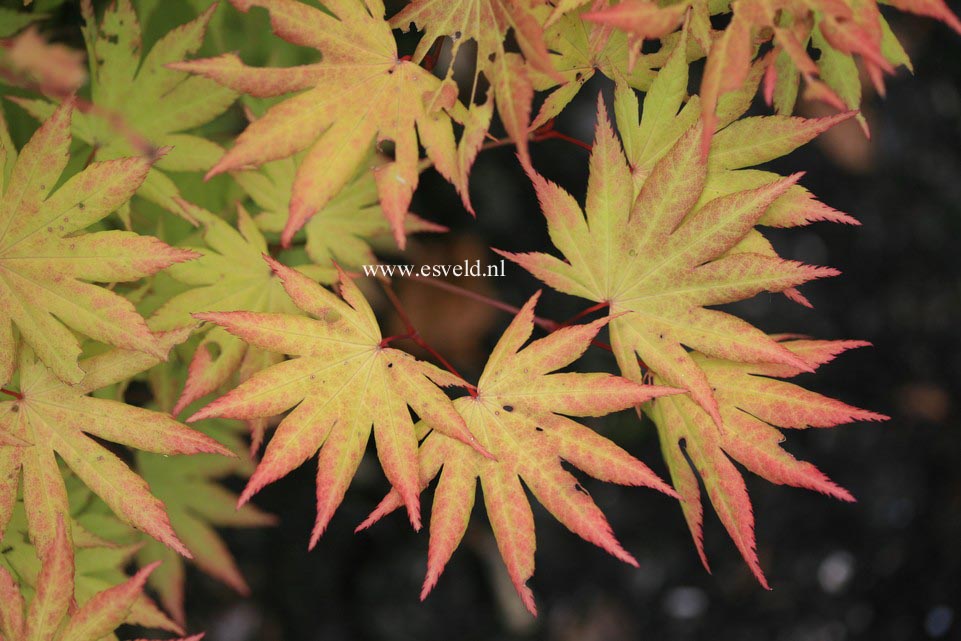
(508, 408)
(539, 428)
(390, 365)
(80, 205)
(14, 408)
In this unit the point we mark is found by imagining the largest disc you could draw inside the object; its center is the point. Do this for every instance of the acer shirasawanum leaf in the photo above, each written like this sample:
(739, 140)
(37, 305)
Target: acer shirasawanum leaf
(520, 415)
(29, 60)
(139, 104)
(53, 420)
(343, 379)
(230, 274)
(48, 267)
(740, 143)
(754, 403)
(51, 613)
(660, 261)
(360, 93)
(346, 230)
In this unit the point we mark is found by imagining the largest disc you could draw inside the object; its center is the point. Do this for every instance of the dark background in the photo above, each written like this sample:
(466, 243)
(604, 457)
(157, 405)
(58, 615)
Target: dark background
(885, 568)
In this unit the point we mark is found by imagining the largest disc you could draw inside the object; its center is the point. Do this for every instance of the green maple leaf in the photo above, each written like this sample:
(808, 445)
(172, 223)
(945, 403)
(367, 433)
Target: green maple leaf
(197, 504)
(346, 230)
(230, 274)
(345, 383)
(50, 613)
(99, 564)
(48, 266)
(659, 261)
(520, 415)
(754, 403)
(140, 104)
(50, 419)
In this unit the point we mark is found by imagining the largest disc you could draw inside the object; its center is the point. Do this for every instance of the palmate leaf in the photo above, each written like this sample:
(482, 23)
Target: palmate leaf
(343, 380)
(51, 419)
(740, 143)
(520, 415)
(361, 92)
(141, 104)
(48, 266)
(346, 230)
(48, 615)
(99, 563)
(230, 274)
(51, 613)
(660, 260)
(753, 405)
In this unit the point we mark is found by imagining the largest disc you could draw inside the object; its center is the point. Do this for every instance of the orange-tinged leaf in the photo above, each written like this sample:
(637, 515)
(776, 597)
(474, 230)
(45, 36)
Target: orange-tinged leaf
(520, 415)
(48, 266)
(57, 420)
(660, 259)
(361, 93)
(54, 589)
(345, 384)
(754, 404)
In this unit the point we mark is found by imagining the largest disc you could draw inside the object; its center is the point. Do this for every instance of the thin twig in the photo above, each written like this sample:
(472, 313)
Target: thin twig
(413, 335)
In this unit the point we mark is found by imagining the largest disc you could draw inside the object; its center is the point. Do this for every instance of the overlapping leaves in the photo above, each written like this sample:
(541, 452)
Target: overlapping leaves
(345, 383)
(519, 413)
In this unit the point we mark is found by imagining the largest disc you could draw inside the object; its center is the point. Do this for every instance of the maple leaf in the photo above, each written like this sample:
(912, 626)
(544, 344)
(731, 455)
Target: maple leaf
(141, 105)
(229, 275)
(99, 563)
(53, 420)
(520, 413)
(50, 614)
(754, 404)
(740, 143)
(659, 261)
(487, 23)
(197, 504)
(345, 230)
(360, 93)
(343, 380)
(48, 266)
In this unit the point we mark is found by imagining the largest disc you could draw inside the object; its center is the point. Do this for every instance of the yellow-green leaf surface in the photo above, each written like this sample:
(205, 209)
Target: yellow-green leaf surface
(754, 404)
(346, 230)
(229, 275)
(49, 267)
(99, 564)
(54, 420)
(520, 413)
(140, 104)
(360, 93)
(661, 259)
(345, 382)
